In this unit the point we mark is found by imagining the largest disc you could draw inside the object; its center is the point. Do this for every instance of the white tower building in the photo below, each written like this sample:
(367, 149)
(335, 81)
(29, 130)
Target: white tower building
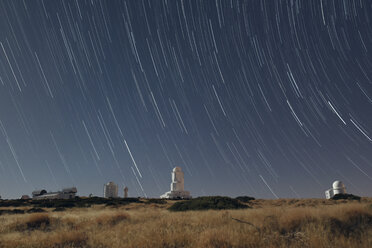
(110, 190)
(178, 183)
(177, 186)
(337, 188)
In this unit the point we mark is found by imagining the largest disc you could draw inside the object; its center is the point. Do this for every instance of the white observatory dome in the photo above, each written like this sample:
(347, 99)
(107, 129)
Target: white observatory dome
(338, 188)
(177, 169)
(338, 185)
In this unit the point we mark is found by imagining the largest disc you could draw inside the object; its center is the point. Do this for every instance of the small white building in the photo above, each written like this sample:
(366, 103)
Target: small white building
(110, 190)
(337, 188)
(177, 186)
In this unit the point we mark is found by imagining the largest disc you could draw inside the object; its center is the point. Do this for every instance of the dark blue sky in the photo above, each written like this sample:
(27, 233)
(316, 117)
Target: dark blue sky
(260, 98)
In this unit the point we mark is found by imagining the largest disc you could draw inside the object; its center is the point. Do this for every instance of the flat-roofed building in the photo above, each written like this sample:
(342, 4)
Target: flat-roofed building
(66, 193)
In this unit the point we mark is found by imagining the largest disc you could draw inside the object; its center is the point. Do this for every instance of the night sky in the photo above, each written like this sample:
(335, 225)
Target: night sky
(261, 98)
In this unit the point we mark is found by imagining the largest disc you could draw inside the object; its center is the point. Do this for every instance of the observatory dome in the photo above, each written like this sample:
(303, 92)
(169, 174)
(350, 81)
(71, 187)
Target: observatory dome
(338, 185)
(337, 188)
(177, 169)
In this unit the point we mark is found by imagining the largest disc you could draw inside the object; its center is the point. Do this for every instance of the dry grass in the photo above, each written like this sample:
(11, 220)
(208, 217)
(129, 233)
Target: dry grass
(270, 223)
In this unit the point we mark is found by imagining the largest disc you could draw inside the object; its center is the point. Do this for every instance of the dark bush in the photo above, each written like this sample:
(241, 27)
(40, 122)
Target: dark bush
(14, 203)
(18, 211)
(59, 209)
(62, 204)
(95, 200)
(35, 210)
(83, 205)
(245, 198)
(67, 203)
(112, 204)
(54, 203)
(12, 211)
(43, 203)
(207, 202)
(346, 197)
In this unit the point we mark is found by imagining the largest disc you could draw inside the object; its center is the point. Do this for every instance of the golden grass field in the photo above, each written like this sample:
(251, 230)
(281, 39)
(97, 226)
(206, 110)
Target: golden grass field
(268, 223)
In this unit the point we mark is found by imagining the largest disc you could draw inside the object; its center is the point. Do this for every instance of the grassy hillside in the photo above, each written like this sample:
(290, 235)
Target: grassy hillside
(149, 223)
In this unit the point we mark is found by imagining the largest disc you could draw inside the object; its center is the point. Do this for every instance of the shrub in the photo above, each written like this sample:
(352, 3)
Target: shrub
(59, 209)
(35, 210)
(12, 211)
(94, 200)
(346, 197)
(14, 203)
(43, 203)
(67, 203)
(245, 198)
(208, 202)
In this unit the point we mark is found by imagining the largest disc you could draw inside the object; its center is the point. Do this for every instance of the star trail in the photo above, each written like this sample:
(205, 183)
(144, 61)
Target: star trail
(270, 99)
